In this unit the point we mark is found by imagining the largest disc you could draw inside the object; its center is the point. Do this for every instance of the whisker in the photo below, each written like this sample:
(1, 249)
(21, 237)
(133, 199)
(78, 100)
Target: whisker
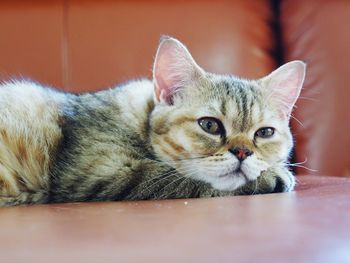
(159, 178)
(308, 98)
(299, 164)
(168, 195)
(256, 187)
(305, 161)
(168, 175)
(298, 121)
(302, 166)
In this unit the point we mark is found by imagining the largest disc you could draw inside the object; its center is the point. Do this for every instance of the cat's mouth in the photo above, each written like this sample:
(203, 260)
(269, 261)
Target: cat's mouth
(234, 173)
(233, 178)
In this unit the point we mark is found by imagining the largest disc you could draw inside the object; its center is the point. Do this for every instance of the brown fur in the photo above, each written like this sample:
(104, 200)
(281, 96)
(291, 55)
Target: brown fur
(28, 139)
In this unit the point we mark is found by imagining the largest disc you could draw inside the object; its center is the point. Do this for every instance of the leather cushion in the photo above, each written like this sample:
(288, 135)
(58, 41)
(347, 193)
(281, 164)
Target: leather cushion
(318, 33)
(88, 45)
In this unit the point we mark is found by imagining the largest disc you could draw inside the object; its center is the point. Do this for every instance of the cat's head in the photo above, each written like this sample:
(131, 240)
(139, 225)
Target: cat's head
(220, 129)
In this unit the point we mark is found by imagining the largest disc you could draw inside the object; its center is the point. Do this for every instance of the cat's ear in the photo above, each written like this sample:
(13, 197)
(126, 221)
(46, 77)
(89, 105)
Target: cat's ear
(174, 69)
(283, 86)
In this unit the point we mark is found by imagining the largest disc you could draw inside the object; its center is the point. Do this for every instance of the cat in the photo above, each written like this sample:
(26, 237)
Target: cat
(188, 133)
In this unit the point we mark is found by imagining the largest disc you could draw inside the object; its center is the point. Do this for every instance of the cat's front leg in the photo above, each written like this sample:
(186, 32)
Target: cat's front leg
(273, 180)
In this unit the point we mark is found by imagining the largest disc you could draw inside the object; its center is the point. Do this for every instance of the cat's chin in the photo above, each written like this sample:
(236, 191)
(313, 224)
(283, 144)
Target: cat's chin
(230, 182)
(233, 180)
(249, 171)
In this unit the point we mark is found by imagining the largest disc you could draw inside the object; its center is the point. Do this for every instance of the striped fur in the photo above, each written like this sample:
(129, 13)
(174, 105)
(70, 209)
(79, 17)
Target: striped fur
(124, 144)
(241, 107)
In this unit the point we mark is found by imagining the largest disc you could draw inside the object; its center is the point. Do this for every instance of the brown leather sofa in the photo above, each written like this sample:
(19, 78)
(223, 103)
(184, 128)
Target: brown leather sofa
(81, 46)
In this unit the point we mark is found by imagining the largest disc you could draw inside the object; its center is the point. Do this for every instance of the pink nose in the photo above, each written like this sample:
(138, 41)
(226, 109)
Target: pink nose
(240, 153)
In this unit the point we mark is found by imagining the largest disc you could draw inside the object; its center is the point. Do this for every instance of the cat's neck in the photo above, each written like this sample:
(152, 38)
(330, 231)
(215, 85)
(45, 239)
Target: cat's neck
(135, 100)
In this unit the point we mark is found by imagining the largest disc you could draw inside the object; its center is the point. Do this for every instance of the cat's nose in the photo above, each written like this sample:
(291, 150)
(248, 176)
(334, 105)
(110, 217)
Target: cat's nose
(241, 153)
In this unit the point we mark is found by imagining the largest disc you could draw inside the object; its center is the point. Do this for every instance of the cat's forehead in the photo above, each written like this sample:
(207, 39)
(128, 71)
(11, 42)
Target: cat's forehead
(232, 90)
(239, 101)
(232, 86)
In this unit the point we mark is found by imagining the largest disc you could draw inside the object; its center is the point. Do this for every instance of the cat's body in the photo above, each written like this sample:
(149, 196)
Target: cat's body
(106, 152)
(62, 147)
(140, 142)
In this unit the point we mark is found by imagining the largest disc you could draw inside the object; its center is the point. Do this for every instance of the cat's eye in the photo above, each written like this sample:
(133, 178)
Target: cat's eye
(265, 132)
(211, 125)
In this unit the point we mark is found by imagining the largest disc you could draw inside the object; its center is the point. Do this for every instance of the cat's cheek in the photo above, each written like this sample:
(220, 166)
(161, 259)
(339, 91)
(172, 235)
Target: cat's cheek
(274, 151)
(181, 138)
(196, 143)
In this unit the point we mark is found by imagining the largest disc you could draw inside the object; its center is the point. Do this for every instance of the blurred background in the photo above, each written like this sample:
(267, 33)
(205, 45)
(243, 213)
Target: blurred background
(80, 46)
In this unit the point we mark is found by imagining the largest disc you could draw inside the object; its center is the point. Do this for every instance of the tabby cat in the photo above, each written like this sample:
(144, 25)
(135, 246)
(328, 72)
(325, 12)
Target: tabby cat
(188, 133)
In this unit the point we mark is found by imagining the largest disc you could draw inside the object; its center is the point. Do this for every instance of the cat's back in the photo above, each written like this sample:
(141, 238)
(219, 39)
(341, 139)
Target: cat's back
(116, 113)
(48, 137)
(105, 136)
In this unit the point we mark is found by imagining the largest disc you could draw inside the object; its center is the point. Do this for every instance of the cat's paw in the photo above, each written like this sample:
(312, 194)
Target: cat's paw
(273, 180)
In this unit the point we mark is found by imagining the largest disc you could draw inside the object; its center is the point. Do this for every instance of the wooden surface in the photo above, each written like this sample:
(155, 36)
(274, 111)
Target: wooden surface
(311, 224)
